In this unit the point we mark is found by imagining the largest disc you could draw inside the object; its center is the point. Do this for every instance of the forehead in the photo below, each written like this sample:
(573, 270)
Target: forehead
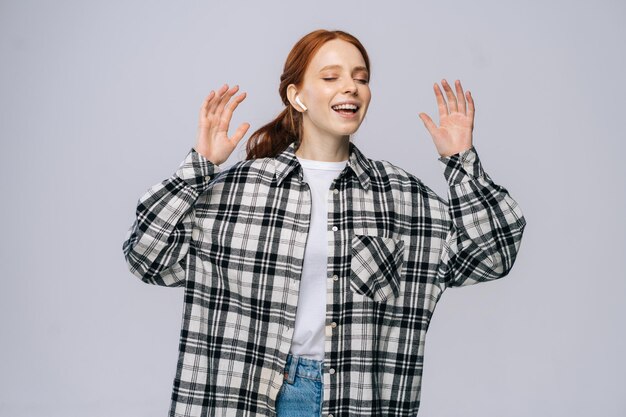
(336, 52)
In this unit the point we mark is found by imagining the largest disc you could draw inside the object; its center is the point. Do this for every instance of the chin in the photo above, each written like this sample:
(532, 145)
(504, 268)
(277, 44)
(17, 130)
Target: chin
(351, 131)
(348, 130)
(346, 133)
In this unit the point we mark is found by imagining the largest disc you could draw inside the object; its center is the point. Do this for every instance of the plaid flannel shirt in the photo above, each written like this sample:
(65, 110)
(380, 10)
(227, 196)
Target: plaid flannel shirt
(234, 239)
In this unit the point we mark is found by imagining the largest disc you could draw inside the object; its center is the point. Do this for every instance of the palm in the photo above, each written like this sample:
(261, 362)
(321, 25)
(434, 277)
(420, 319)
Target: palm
(220, 143)
(213, 141)
(454, 134)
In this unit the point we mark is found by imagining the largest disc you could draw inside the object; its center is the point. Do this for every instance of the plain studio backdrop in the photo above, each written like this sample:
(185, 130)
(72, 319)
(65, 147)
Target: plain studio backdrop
(99, 101)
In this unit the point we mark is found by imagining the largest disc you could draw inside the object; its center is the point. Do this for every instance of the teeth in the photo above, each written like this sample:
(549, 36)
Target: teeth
(345, 106)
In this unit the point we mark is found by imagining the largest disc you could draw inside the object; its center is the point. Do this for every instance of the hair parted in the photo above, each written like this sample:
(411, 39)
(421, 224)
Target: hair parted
(275, 136)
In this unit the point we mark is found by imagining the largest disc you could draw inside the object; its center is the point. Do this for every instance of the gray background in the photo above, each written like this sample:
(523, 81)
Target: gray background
(99, 101)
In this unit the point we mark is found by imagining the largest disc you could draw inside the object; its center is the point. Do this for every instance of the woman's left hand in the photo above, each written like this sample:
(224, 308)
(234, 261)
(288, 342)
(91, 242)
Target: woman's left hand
(457, 120)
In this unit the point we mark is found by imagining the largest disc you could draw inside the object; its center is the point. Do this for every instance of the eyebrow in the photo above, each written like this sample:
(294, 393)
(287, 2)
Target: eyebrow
(359, 68)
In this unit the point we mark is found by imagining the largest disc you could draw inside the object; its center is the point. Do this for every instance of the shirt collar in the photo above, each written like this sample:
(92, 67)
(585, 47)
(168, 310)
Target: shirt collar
(286, 161)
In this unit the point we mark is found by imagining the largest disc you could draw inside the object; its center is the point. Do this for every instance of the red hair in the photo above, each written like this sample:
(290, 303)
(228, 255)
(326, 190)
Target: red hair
(274, 137)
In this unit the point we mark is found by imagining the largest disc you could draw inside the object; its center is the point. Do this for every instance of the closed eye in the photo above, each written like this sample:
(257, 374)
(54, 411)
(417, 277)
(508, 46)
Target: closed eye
(359, 80)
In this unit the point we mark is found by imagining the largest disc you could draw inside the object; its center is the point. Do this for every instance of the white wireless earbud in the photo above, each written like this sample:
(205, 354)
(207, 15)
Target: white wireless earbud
(300, 103)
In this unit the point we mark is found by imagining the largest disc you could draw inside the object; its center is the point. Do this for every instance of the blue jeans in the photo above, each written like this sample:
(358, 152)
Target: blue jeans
(302, 392)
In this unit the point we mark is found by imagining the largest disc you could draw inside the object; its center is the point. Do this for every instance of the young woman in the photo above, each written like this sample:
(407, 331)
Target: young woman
(311, 272)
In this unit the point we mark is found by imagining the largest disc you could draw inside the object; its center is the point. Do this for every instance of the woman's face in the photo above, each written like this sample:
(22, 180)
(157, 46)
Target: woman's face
(336, 74)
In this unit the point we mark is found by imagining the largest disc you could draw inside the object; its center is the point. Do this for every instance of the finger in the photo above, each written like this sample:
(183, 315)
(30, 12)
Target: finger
(225, 98)
(228, 113)
(239, 133)
(216, 100)
(205, 104)
(470, 106)
(461, 96)
(428, 122)
(441, 103)
(452, 104)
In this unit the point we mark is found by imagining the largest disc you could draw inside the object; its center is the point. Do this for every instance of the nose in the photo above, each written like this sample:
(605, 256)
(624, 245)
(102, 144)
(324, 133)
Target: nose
(351, 86)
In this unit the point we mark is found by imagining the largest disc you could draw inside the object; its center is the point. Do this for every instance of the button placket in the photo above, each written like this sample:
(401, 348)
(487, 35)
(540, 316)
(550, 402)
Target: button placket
(335, 278)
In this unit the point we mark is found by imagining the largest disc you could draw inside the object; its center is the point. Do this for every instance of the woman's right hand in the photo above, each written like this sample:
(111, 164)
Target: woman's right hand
(213, 141)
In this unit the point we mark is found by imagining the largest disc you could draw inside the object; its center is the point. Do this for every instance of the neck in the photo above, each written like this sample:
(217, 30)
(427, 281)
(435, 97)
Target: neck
(321, 150)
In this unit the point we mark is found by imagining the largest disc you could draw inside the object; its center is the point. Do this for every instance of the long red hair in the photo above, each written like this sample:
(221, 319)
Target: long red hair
(272, 138)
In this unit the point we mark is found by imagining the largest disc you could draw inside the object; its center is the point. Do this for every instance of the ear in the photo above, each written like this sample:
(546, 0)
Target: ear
(292, 92)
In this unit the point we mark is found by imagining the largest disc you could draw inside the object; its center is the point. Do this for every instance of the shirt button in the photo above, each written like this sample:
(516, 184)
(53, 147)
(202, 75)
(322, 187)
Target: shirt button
(333, 324)
(336, 191)
(336, 277)
(335, 228)
(208, 177)
(331, 371)
(330, 415)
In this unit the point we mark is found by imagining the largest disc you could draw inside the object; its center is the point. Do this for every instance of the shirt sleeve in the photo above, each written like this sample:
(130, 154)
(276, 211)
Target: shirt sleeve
(157, 244)
(486, 224)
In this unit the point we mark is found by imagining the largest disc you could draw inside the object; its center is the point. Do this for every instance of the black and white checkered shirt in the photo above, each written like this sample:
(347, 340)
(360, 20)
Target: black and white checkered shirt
(235, 240)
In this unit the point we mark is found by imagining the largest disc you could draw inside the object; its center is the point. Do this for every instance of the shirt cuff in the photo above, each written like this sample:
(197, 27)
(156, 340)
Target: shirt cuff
(197, 171)
(462, 167)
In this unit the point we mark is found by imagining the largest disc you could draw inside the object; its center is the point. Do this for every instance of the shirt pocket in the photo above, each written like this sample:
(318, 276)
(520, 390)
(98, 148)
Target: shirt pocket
(375, 266)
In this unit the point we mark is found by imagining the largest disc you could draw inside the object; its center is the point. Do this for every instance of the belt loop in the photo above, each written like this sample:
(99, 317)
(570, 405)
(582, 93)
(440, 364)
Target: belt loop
(293, 367)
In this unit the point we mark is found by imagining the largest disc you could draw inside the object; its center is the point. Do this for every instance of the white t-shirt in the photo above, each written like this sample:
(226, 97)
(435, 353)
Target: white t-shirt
(309, 332)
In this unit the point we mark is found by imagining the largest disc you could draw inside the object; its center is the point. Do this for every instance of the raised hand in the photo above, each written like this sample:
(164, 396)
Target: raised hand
(454, 135)
(213, 141)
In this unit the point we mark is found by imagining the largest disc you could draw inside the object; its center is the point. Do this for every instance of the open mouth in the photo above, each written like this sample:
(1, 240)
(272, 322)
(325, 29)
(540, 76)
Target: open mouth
(346, 108)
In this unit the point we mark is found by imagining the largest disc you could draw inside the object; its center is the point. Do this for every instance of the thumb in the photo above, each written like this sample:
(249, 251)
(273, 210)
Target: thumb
(239, 133)
(428, 122)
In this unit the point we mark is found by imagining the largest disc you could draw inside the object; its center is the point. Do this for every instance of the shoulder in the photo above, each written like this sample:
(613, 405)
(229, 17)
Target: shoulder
(398, 177)
(245, 169)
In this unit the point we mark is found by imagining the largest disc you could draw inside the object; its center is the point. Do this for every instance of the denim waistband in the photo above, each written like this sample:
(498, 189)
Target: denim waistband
(303, 367)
